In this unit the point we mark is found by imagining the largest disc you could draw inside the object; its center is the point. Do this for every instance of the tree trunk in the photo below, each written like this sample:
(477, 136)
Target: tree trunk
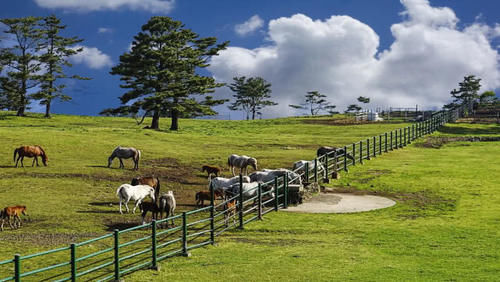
(175, 120)
(155, 122)
(253, 114)
(20, 111)
(47, 109)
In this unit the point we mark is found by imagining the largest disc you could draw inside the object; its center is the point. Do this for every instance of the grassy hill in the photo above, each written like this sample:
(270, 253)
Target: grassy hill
(433, 227)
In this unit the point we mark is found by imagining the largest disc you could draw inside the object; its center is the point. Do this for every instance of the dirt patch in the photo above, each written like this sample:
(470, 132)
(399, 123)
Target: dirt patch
(46, 239)
(342, 203)
(438, 142)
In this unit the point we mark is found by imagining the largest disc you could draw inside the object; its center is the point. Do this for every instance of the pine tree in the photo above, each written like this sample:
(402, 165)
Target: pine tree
(55, 50)
(160, 72)
(315, 102)
(251, 95)
(467, 94)
(20, 61)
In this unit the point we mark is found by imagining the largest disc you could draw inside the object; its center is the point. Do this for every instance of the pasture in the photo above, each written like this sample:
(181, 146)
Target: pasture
(443, 225)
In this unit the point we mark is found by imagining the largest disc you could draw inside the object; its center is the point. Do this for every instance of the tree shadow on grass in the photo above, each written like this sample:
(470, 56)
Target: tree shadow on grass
(470, 131)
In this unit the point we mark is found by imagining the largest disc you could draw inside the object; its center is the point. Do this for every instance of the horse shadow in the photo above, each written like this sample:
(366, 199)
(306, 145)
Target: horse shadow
(120, 225)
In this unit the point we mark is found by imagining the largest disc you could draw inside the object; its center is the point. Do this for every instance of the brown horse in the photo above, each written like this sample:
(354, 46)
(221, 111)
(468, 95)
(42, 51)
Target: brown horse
(205, 195)
(148, 180)
(12, 212)
(210, 170)
(30, 152)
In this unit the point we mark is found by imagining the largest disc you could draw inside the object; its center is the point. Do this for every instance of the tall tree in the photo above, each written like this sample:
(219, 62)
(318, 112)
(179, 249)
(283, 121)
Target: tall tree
(160, 72)
(364, 100)
(251, 95)
(55, 51)
(20, 60)
(315, 102)
(467, 92)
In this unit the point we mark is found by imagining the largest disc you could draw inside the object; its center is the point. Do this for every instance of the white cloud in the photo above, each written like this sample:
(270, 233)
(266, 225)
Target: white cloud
(104, 30)
(340, 57)
(251, 25)
(154, 6)
(92, 57)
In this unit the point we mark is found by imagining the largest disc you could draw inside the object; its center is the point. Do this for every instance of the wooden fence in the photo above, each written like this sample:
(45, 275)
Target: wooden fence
(113, 255)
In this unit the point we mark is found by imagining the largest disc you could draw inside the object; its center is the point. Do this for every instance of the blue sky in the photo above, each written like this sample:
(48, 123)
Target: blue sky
(399, 54)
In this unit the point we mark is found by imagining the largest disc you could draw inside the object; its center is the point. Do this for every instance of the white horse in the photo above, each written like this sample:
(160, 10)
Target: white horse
(241, 162)
(267, 175)
(300, 167)
(125, 153)
(167, 205)
(249, 190)
(222, 184)
(127, 192)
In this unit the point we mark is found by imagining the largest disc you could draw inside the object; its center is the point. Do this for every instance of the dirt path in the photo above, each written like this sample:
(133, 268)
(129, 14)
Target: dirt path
(342, 203)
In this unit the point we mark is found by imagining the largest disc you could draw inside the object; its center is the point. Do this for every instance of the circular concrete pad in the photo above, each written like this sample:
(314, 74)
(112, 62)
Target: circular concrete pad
(342, 203)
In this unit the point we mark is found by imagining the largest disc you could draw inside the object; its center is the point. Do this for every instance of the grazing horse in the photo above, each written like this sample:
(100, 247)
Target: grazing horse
(325, 150)
(167, 205)
(210, 170)
(203, 196)
(148, 180)
(12, 212)
(125, 153)
(267, 175)
(30, 152)
(241, 162)
(127, 192)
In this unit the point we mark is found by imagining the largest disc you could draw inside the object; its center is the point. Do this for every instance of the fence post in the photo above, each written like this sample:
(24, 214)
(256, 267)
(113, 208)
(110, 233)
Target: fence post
(117, 254)
(285, 190)
(368, 148)
(374, 146)
(17, 267)
(276, 202)
(73, 261)
(400, 139)
(154, 264)
(212, 213)
(345, 158)
(325, 178)
(316, 170)
(353, 153)
(306, 172)
(240, 204)
(380, 144)
(385, 142)
(391, 142)
(184, 235)
(259, 201)
(361, 152)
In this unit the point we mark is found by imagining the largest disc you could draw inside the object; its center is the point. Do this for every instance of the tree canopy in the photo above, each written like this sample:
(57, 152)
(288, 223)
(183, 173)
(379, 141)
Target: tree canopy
(467, 93)
(251, 95)
(160, 73)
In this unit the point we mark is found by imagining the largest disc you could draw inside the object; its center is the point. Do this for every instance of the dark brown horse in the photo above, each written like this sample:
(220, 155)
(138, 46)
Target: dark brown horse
(210, 170)
(30, 152)
(148, 180)
(12, 212)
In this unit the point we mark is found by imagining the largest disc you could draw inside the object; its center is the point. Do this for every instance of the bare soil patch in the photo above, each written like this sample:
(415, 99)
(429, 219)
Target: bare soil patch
(342, 203)
(438, 142)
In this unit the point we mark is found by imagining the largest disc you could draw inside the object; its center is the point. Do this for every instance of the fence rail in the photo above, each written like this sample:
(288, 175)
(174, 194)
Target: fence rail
(113, 255)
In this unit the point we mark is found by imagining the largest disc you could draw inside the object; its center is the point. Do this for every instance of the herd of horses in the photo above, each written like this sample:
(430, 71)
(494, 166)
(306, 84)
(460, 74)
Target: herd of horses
(149, 186)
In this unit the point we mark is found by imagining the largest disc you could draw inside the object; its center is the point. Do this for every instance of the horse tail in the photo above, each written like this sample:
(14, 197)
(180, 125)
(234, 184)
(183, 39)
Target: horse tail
(119, 191)
(138, 155)
(157, 190)
(15, 153)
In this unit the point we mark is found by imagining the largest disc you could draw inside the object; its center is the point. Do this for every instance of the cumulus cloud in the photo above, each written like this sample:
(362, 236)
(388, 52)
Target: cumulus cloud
(251, 25)
(340, 57)
(91, 57)
(104, 30)
(154, 6)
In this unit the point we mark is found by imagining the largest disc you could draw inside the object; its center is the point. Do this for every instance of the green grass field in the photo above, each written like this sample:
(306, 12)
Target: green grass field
(445, 226)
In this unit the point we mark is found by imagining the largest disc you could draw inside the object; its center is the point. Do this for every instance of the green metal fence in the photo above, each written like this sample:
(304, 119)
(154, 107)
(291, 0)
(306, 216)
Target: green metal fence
(113, 255)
